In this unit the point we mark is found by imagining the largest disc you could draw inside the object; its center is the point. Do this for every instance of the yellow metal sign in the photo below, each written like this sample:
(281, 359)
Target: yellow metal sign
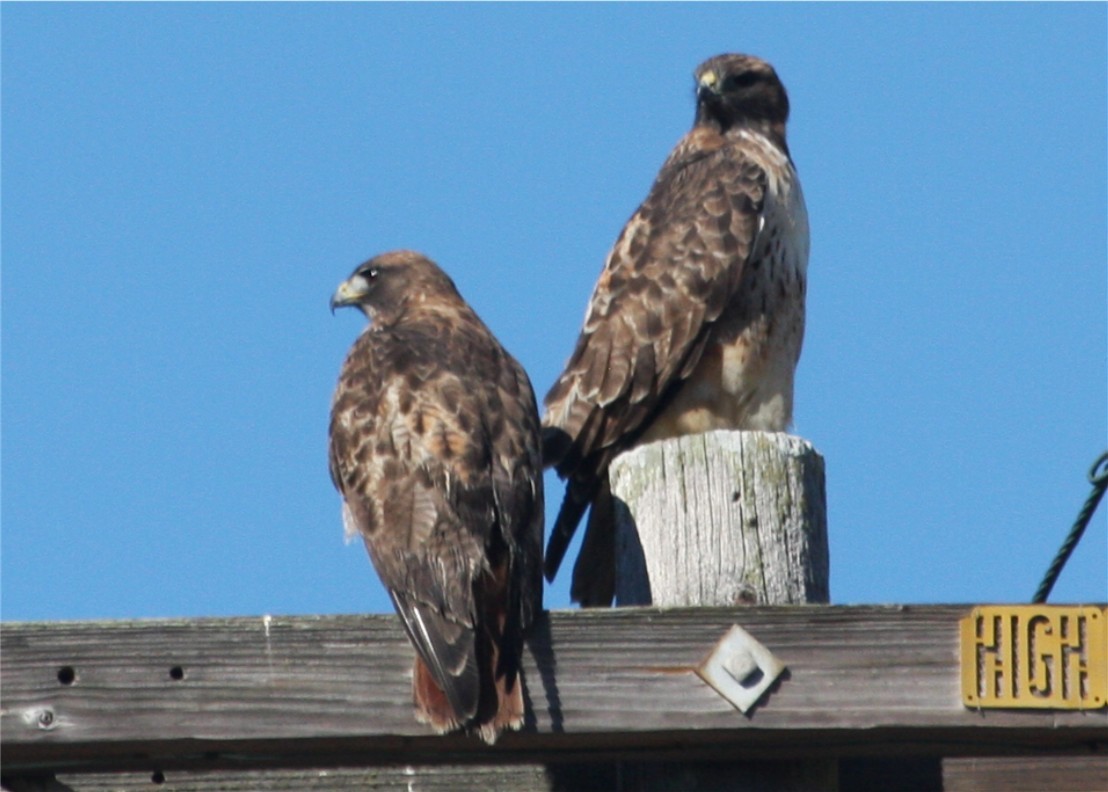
(1035, 656)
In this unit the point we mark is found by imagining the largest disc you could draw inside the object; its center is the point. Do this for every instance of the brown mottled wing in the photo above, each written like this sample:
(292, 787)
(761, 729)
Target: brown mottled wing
(434, 447)
(674, 268)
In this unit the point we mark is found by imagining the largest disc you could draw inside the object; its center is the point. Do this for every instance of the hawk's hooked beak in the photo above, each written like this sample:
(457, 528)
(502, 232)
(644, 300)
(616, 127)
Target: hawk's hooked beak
(349, 292)
(707, 87)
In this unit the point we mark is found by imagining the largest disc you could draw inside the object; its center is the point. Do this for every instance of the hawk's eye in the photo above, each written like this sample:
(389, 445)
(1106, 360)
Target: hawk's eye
(369, 274)
(744, 80)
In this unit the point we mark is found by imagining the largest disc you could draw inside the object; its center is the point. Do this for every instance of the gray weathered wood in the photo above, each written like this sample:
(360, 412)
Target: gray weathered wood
(403, 778)
(593, 777)
(1026, 773)
(612, 684)
(723, 518)
(959, 774)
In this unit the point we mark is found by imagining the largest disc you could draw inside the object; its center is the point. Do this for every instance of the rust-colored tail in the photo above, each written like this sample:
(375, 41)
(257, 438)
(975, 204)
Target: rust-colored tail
(505, 704)
(431, 705)
(498, 705)
(500, 709)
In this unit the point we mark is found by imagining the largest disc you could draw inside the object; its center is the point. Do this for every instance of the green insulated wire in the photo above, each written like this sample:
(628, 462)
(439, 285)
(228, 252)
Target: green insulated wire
(1098, 477)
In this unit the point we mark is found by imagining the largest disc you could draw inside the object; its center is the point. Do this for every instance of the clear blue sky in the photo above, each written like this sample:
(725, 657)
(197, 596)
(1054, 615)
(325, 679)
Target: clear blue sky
(184, 185)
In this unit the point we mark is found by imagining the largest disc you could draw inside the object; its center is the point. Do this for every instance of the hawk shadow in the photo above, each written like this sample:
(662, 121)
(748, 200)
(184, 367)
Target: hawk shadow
(633, 579)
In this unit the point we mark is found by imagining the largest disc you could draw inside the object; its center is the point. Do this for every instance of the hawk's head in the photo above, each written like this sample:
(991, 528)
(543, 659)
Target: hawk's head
(740, 90)
(384, 286)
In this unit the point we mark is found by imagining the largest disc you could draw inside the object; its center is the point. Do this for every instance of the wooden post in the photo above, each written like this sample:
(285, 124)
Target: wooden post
(723, 518)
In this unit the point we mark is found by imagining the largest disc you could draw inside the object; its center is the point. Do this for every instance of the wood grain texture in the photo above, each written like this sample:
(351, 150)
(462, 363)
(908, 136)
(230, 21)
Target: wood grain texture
(1026, 774)
(593, 777)
(318, 691)
(718, 519)
(403, 778)
(959, 774)
(722, 518)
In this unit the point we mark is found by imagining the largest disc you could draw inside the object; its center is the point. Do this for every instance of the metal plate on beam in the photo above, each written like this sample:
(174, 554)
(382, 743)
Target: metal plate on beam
(740, 669)
(1035, 657)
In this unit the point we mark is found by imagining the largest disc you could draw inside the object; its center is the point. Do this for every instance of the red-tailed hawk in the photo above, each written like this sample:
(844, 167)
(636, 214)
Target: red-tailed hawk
(435, 448)
(697, 320)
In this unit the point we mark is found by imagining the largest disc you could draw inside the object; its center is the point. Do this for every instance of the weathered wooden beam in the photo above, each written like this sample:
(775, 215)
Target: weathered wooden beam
(721, 518)
(424, 778)
(1026, 773)
(929, 774)
(593, 777)
(208, 694)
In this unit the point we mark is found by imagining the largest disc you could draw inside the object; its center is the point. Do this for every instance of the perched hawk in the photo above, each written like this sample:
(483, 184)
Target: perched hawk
(435, 449)
(697, 320)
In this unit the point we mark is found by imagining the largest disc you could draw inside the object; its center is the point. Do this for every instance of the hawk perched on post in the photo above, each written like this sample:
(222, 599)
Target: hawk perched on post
(435, 448)
(697, 320)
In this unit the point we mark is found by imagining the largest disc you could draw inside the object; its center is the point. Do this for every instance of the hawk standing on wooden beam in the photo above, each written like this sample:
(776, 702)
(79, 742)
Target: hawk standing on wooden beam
(435, 449)
(697, 320)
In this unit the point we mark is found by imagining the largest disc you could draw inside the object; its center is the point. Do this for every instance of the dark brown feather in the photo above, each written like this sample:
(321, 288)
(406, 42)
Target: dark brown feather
(435, 448)
(676, 274)
(606, 367)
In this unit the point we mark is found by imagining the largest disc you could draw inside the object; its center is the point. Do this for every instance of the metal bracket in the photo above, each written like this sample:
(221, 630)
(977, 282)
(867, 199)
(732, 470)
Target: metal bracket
(740, 669)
